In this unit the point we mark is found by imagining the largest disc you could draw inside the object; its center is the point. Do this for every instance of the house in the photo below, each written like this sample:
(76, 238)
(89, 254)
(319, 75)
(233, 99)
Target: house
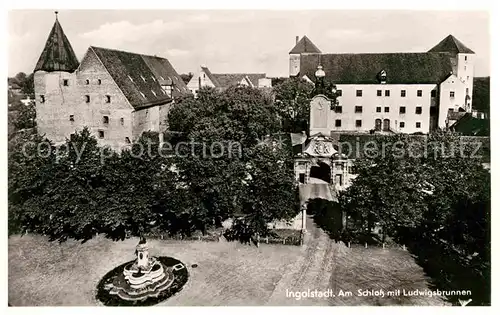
(392, 92)
(221, 81)
(468, 125)
(118, 95)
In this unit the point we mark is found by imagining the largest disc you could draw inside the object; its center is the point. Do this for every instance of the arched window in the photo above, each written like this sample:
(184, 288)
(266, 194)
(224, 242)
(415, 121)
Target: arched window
(387, 124)
(378, 124)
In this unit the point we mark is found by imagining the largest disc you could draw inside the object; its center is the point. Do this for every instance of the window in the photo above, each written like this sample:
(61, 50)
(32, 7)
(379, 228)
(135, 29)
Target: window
(386, 109)
(402, 110)
(108, 99)
(42, 98)
(387, 93)
(418, 125)
(378, 124)
(105, 120)
(87, 82)
(358, 109)
(338, 179)
(379, 109)
(452, 94)
(433, 93)
(387, 124)
(302, 178)
(358, 123)
(101, 134)
(339, 92)
(379, 92)
(466, 91)
(122, 121)
(99, 81)
(127, 140)
(71, 117)
(419, 93)
(403, 93)
(338, 109)
(87, 98)
(402, 124)
(418, 110)
(359, 93)
(465, 58)
(65, 82)
(338, 123)
(451, 109)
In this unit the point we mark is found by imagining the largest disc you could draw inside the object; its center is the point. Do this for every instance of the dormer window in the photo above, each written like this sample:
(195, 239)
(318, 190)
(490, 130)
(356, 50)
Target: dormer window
(382, 77)
(87, 82)
(153, 78)
(65, 82)
(105, 120)
(130, 78)
(108, 99)
(87, 98)
(42, 98)
(153, 92)
(143, 95)
(71, 118)
(99, 81)
(143, 78)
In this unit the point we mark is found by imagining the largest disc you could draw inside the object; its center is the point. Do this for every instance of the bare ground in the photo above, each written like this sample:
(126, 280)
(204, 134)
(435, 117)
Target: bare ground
(52, 274)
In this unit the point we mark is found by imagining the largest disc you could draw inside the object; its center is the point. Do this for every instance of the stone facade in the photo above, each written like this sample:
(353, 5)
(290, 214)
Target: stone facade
(106, 99)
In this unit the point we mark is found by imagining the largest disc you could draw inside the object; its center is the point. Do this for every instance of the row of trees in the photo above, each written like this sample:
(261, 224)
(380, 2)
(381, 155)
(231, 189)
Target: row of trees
(80, 189)
(437, 203)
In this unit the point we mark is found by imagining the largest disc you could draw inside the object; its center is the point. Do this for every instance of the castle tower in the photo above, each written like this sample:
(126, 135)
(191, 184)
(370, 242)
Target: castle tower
(303, 46)
(55, 85)
(463, 65)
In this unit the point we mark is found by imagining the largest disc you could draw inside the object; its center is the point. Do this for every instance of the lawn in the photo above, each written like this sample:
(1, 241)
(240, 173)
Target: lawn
(52, 274)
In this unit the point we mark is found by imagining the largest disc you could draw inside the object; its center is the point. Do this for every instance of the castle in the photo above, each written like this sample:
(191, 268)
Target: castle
(390, 92)
(118, 95)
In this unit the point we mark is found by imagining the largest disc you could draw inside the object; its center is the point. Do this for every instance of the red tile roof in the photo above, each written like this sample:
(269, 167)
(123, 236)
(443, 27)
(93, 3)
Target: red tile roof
(57, 55)
(139, 76)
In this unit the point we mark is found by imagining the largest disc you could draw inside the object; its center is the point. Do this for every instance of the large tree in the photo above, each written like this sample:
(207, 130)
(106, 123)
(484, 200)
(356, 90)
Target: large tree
(235, 122)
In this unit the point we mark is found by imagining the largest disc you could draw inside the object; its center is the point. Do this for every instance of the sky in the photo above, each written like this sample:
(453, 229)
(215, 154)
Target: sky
(244, 40)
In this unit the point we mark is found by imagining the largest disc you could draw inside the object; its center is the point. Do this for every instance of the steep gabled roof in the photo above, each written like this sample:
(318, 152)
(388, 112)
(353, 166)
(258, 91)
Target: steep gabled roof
(138, 76)
(401, 68)
(211, 76)
(226, 80)
(452, 45)
(305, 45)
(57, 55)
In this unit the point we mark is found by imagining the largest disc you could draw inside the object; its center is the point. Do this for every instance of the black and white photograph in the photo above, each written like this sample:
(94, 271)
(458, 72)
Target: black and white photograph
(248, 157)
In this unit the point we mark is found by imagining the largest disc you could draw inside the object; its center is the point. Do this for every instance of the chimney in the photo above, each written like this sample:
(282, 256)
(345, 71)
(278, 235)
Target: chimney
(296, 39)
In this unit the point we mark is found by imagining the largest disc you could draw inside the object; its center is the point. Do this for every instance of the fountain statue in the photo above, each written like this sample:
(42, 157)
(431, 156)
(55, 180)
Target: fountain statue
(145, 277)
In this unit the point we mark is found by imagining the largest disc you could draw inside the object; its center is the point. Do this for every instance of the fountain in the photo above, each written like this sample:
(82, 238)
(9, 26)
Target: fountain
(144, 281)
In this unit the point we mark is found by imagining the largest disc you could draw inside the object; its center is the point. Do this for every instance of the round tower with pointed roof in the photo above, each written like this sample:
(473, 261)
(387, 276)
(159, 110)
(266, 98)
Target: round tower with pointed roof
(55, 84)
